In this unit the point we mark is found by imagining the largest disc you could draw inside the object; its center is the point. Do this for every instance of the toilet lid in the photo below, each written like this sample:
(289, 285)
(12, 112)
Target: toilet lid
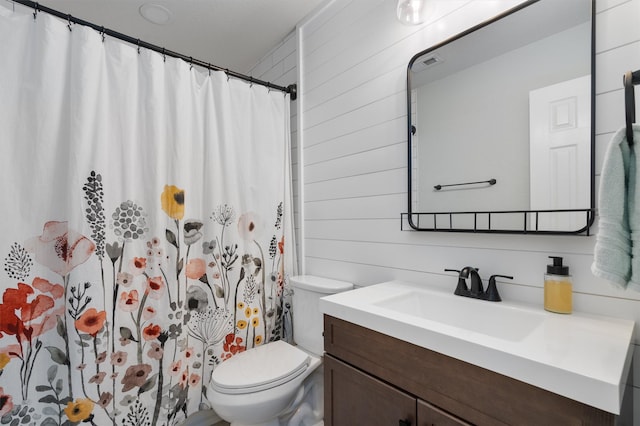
(259, 368)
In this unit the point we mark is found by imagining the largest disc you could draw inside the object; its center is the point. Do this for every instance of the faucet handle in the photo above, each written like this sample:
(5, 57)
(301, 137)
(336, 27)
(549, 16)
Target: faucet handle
(492, 294)
(461, 288)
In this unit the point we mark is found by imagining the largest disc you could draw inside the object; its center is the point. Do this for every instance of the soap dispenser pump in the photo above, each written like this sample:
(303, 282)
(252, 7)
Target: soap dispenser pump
(558, 292)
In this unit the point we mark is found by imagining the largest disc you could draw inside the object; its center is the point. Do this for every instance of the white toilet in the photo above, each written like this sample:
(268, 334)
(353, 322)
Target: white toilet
(278, 383)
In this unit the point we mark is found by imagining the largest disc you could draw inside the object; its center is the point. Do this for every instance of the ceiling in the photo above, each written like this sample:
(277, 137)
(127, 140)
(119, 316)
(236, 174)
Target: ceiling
(232, 34)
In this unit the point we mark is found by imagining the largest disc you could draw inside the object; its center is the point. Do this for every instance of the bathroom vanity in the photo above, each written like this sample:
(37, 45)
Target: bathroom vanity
(401, 354)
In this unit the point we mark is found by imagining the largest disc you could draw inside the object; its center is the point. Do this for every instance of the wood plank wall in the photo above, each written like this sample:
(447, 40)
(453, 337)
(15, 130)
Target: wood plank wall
(352, 173)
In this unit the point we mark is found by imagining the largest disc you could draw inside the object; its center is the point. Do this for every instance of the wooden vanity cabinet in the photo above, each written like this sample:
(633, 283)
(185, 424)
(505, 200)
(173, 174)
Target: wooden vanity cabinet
(360, 399)
(374, 379)
(357, 398)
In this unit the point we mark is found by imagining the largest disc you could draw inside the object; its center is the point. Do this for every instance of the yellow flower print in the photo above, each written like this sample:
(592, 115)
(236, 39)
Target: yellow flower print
(255, 311)
(242, 324)
(172, 200)
(240, 305)
(247, 312)
(4, 360)
(255, 322)
(258, 340)
(79, 410)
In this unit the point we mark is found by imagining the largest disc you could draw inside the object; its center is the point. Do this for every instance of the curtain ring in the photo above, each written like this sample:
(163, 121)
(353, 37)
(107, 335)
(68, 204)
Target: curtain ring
(69, 22)
(164, 56)
(102, 33)
(35, 11)
(226, 71)
(250, 82)
(138, 46)
(209, 68)
(190, 63)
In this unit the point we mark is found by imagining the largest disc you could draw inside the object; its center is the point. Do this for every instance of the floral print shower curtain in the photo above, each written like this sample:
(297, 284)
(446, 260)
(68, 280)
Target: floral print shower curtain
(145, 230)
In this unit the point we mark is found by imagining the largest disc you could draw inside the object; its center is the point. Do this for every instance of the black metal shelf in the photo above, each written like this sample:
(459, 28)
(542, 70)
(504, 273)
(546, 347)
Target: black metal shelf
(525, 221)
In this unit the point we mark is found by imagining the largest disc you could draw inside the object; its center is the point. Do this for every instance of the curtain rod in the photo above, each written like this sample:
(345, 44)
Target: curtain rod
(291, 89)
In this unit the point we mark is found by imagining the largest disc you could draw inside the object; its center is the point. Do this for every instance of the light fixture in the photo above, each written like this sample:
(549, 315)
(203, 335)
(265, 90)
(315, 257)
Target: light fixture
(155, 13)
(411, 12)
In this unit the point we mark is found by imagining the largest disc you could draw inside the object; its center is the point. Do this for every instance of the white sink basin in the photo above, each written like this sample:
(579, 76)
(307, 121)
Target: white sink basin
(491, 318)
(580, 356)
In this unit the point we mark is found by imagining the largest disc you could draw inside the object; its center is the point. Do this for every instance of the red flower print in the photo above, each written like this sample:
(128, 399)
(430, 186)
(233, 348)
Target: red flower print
(98, 378)
(148, 312)
(232, 346)
(196, 268)
(119, 358)
(105, 399)
(59, 248)
(102, 357)
(188, 353)
(56, 290)
(248, 227)
(281, 245)
(6, 403)
(194, 379)
(174, 370)
(25, 314)
(91, 321)
(16, 312)
(124, 279)
(128, 301)
(156, 351)
(184, 377)
(155, 287)
(279, 282)
(152, 331)
(138, 265)
(135, 376)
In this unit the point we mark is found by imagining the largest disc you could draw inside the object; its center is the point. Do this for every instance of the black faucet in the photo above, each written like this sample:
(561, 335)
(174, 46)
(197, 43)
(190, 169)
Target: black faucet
(476, 291)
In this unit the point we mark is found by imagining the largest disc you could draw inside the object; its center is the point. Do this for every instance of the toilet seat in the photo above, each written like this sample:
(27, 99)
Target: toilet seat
(259, 369)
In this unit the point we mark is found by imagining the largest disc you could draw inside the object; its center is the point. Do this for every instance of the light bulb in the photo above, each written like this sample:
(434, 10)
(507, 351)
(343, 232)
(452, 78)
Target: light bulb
(411, 12)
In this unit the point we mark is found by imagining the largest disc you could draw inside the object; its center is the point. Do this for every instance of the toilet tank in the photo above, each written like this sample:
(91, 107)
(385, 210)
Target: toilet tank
(307, 319)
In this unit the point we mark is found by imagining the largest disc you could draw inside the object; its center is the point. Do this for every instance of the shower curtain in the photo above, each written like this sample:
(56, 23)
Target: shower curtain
(146, 228)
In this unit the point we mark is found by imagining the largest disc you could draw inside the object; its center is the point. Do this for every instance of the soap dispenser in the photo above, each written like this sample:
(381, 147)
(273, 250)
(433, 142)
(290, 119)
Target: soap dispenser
(558, 291)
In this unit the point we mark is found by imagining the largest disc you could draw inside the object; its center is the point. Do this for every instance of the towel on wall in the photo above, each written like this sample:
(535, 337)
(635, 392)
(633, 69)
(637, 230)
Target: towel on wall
(634, 211)
(617, 249)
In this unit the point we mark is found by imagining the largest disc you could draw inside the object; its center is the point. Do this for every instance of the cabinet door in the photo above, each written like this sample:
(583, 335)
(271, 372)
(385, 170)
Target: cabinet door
(355, 398)
(429, 415)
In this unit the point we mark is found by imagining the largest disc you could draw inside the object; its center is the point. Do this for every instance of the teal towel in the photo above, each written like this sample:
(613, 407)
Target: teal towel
(619, 221)
(634, 210)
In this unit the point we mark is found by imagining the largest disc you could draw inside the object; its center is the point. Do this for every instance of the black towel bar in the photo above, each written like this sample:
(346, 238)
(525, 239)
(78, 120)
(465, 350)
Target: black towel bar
(490, 182)
(629, 80)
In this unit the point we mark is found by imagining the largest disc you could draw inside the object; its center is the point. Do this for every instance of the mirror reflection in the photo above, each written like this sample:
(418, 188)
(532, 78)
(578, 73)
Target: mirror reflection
(501, 121)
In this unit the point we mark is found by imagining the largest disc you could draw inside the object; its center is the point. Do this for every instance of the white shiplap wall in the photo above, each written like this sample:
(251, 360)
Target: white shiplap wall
(352, 116)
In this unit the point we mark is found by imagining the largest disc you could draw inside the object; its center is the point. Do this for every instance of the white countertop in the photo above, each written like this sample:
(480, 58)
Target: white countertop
(583, 357)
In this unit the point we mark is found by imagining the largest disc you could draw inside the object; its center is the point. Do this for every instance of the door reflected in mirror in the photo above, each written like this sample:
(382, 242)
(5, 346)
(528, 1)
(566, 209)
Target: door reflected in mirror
(501, 121)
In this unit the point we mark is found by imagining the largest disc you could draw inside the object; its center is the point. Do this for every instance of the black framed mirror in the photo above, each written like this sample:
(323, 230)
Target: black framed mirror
(501, 124)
